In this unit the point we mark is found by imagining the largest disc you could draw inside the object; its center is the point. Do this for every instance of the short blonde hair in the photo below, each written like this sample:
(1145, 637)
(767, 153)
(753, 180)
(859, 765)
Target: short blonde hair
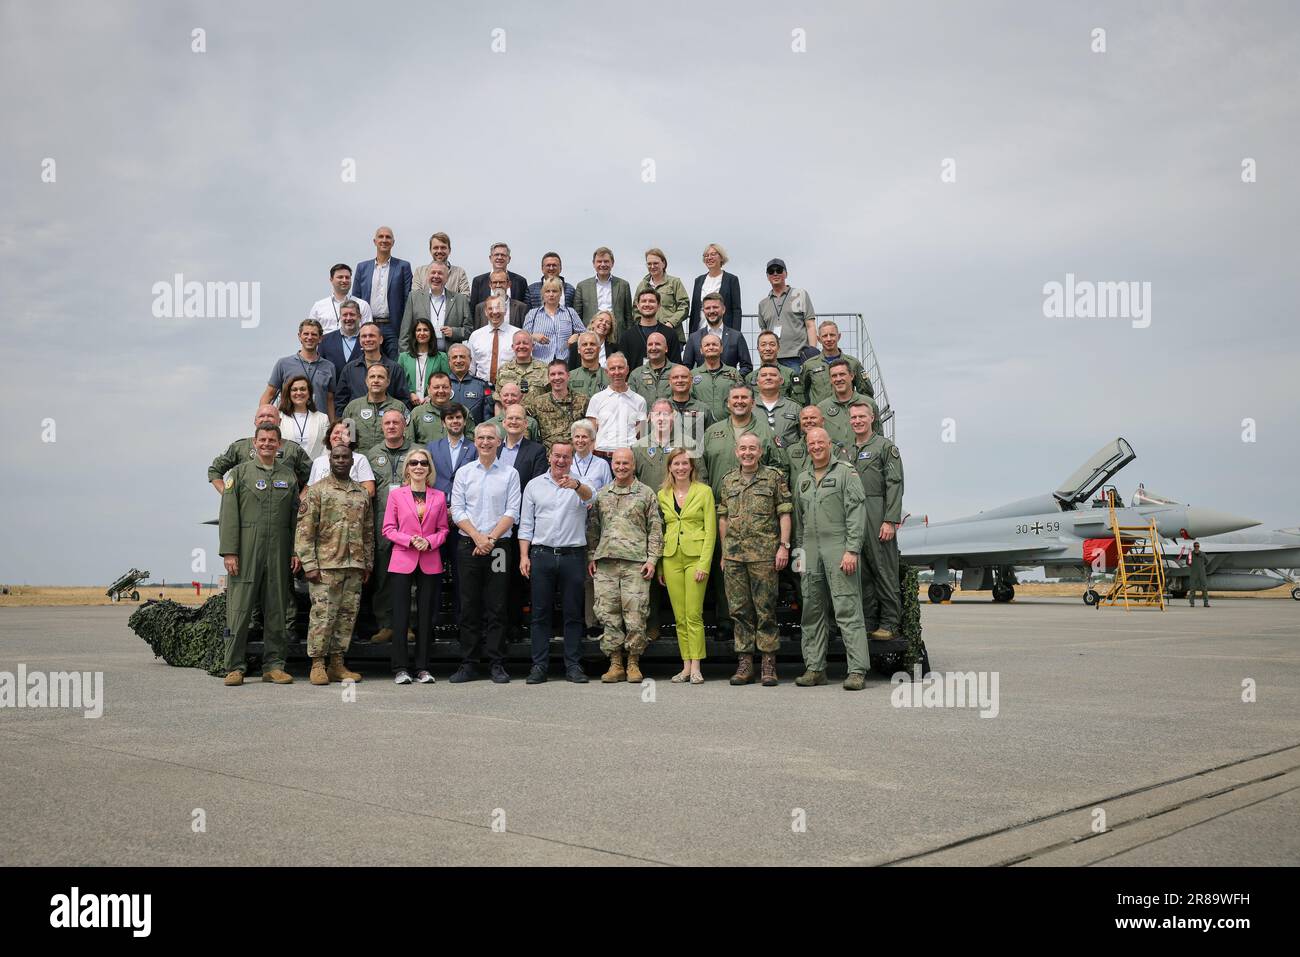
(722, 253)
(424, 457)
(552, 282)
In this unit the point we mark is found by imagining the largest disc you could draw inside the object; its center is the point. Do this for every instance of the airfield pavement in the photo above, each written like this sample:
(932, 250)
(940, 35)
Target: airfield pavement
(1140, 714)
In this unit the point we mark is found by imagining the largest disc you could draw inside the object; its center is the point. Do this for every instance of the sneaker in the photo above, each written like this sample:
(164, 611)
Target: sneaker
(424, 678)
(500, 675)
(855, 681)
(536, 676)
(463, 673)
(576, 676)
(401, 678)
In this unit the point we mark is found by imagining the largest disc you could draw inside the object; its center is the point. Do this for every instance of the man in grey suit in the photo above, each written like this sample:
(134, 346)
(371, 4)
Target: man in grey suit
(735, 351)
(447, 311)
(605, 291)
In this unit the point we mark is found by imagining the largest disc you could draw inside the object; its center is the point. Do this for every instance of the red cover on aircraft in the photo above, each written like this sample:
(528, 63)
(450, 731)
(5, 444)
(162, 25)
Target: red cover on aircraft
(1103, 546)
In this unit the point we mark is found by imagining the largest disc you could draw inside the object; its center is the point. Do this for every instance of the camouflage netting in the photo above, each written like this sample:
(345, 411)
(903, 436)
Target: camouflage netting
(183, 636)
(888, 662)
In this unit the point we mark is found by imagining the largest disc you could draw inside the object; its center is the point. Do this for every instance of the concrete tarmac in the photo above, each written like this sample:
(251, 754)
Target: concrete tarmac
(1139, 715)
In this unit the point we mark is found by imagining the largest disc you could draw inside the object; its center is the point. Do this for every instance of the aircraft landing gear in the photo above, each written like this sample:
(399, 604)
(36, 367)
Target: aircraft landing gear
(940, 593)
(1090, 597)
(1003, 593)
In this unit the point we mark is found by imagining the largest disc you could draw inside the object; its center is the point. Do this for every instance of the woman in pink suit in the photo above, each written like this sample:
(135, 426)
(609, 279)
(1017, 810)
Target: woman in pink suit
(415, 521)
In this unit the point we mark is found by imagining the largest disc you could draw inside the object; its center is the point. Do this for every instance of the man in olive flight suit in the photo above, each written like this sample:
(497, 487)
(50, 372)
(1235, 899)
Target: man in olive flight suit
(241, 450)
(1196, 580)
(258, 509)
(881, 469)
(836, 408)
(832, 520)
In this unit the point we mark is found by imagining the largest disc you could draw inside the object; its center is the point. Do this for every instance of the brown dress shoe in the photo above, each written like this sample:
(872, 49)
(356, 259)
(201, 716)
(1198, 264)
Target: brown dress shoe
(318, 675)
(881, 634)
(338, 671)
(278, 676)
(769, 670)
(633, 668)
(744, 670)
(615, 672)
(382, 635)
(234, 678)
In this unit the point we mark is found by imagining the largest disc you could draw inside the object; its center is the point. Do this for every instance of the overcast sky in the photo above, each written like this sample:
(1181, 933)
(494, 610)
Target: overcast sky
(225, 166)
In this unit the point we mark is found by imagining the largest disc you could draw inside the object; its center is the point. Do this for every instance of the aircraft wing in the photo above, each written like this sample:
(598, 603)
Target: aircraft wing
(998, 553)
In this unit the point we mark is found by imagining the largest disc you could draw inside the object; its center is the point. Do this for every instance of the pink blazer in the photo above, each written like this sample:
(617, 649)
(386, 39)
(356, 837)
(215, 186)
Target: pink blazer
(401, 522)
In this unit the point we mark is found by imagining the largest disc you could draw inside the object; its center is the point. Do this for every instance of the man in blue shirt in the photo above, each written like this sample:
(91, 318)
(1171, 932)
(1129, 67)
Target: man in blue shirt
(553, 556)
(485, 504)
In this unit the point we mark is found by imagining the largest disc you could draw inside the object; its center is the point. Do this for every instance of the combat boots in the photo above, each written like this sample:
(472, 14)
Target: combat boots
(384, 634)
(769, 669)
(810, 678)
(881, 634)
(318, 675)
(615, 672)
(633, 668)
(338, 671)
(278, 676)
(744, 670)
(234, 678)
(855, 681)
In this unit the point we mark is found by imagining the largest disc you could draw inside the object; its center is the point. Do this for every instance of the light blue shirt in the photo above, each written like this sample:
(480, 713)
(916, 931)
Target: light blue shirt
(558, 330)
(553, 516)
(593, 472)
(507, 454)
(483, 495)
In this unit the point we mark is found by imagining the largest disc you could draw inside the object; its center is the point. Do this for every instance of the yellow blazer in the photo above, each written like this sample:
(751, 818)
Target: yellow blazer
(695, 531)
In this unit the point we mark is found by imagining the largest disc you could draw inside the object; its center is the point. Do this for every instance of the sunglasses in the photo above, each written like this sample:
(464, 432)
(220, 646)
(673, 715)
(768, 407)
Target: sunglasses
(775, 271)
(418, 463)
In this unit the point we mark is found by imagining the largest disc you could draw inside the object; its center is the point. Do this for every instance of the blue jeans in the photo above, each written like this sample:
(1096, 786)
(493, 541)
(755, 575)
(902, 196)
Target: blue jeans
(568, 573)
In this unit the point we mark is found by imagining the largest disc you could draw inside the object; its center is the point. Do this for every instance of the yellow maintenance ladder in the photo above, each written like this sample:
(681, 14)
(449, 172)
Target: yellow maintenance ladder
(1139, 565)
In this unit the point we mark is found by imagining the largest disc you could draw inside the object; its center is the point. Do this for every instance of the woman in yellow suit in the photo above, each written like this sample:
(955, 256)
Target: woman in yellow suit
(690, 532)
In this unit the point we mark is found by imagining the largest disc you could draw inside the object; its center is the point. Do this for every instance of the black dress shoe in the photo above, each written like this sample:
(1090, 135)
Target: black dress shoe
(463, 673)
(576, 676)
(536, 676)
(500, 675)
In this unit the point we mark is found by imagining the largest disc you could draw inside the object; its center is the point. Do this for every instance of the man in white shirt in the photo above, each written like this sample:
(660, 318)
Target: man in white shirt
(489, 347)
(326, 312)
(617, 410)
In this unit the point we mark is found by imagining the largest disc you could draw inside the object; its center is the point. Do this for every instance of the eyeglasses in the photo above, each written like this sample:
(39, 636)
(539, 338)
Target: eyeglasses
(775, 270)
(418, 464)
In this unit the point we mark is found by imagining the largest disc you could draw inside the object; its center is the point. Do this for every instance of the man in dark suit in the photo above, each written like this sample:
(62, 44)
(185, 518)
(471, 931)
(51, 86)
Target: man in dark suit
(342, 346)
(515, 311)
(448, 454)
(387, 296)
(605, 291)
(480, 288)
(632, 342)
(530, 461)
(735, 351)
(446, 311)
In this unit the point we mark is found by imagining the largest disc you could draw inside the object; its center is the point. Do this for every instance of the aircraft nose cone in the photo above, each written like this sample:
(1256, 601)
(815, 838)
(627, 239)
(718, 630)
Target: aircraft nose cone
(1202, 522)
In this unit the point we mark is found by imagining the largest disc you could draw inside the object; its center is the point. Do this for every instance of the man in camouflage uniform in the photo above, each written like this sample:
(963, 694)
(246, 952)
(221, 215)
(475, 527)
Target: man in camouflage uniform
(782, 414)
(530, 373)
(832, 521)
(816, 371)
(625, 539)
(881, 469)
(589, 377)
(556, 409)
(650, 379)
(506, 396)
(712, 381)
(835, 410)
(791, 379)
(335, 543)
(256, 527)
(366, 413)
(242, 450)
(753, 526)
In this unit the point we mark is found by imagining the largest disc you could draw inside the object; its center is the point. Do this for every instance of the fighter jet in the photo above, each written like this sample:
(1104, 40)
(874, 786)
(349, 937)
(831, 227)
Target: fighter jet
(1236, 561)
(1064, 530)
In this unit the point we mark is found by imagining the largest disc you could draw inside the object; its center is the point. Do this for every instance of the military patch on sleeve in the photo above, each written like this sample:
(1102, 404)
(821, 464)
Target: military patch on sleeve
(894, 451)
(302, 507)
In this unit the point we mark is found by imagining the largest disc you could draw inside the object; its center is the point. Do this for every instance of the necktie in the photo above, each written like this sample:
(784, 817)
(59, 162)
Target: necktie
(496, 346)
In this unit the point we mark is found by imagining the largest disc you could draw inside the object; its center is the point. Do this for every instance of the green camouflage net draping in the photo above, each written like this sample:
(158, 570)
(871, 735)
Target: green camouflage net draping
(889, 662)
(183, 636)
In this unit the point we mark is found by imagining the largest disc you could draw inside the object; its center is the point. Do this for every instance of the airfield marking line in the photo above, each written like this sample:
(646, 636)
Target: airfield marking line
(1087, 805)
(337, 797)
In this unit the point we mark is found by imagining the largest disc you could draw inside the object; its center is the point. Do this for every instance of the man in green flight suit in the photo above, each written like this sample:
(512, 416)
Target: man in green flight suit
(712, 381)
(836, 408)
(366, 412)
(881, 469)
(1197, 580)
(241, 450)
(258, 509)
(832, 520)
(816, 380)
(792, 386)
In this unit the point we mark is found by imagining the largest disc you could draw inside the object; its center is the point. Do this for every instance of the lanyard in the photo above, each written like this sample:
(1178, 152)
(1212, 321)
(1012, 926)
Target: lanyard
(301, 427)
(785, 297)
(583, 471)
(437, 313)
(308, 370)
(421, 362)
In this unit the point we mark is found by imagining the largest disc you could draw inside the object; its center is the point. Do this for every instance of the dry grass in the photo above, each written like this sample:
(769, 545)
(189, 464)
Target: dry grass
(38, 595)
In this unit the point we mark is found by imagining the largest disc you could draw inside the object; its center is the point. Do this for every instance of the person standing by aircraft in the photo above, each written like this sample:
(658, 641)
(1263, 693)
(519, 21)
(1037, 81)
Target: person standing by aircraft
(1197, 580)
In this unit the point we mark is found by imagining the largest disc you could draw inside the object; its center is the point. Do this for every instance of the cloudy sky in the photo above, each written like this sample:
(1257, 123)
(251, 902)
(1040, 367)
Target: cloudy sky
(225, 165)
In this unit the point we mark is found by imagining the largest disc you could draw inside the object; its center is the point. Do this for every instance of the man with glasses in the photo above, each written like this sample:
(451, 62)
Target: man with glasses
(499, 259)
(788, 312)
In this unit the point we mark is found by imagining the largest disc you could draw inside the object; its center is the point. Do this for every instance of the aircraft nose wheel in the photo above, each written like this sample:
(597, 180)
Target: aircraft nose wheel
(940, 593)
(1003, 593)
(1090, 597)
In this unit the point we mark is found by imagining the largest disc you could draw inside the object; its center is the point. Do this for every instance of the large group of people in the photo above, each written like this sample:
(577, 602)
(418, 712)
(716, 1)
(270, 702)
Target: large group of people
(608, 449)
